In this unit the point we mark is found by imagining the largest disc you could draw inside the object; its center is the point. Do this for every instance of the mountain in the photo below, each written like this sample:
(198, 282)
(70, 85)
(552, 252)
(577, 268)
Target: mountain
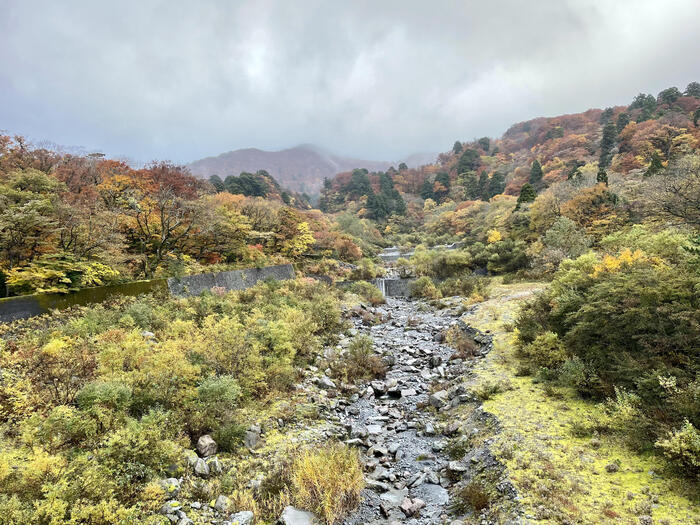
(301, 168)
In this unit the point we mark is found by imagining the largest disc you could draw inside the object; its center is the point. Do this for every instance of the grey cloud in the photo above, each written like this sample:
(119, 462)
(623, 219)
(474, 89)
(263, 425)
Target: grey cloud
(381, 79)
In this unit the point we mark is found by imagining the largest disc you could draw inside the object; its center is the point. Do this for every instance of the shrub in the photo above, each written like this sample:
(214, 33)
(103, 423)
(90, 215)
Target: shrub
(460, 341)
(368, 292)
(359, 361)
(327, 481)
(682, 447)
(546, 351)
(425, 288)
(472, 496)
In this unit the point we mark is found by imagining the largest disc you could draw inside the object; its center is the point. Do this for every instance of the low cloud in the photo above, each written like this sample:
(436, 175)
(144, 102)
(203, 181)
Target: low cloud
(182, 80)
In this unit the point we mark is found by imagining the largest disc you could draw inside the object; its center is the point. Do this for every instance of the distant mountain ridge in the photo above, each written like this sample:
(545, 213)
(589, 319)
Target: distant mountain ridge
(301, 168)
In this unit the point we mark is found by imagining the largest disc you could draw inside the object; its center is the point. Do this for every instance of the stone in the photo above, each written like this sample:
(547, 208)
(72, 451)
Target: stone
(408, 392)
(185, 521)
(241, 518)
(170, 507)
(171, 486)
(410, 507)
(374, 430)
(393, 497)
(438, 399)
(201, 468)
(377, 486)
(222, 503)
(191, 458)
(294, 516)
(215, 466)
(206, 446)
(251, 439)
(325, 383)
(456, 466)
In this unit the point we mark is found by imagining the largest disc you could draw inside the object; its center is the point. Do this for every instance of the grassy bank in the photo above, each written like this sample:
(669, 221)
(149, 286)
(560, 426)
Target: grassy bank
(563, 474)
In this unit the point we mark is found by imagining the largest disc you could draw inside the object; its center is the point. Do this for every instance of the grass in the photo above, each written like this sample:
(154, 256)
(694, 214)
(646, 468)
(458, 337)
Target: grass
(327, 481)
(557, 465)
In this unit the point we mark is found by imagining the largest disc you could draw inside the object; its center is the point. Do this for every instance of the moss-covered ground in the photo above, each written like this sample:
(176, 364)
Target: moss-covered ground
(562, 478)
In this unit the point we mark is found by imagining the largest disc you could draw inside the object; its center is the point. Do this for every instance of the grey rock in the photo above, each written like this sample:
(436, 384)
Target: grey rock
(191, 458)
(410, 507)
(222, 503)
(241, 518)
(201, 468)
(170, 507)
(438, 399)
(294, 516)
(171, 486)
(215, 466)
(325, 382)
(206, 446)
(394, 497)
(251, 438)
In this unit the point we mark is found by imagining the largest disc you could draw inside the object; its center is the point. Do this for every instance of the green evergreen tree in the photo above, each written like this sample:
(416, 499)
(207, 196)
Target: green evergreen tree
(484, 186)
(606, 115)
(497, 183)
(471, 185)
(693, 90)
(536, 173)
(426, 189)
(457, 148)
(216, 181)
(622, 120)
(527, 194)
(485, 143)
(696, 117)
(669, 95)
(655, 166)
(607, 143)
(469, 161)
(602, 176)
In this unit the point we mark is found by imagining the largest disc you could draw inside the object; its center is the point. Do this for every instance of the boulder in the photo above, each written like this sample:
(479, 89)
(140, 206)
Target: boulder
(206, 446)
(251, 438)
(325, 383)
(410, 507)
(438, 399)
(222, 503)
(201, 468)
(294, 516)
(171, 486)
(241, 518)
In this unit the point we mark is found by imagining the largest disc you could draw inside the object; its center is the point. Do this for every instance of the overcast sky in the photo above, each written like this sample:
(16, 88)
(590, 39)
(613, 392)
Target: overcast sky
(375, 79)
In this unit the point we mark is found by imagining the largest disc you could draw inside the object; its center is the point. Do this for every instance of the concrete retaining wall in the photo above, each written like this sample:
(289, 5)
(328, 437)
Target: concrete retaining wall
(233, 280)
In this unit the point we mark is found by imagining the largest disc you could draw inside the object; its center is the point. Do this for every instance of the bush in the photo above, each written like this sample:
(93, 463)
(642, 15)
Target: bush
(368, 292)
(466, 286)
(546, 351)
(682, 447)
(465, 345)
(425, 288)
(327, 481)
(359, 362)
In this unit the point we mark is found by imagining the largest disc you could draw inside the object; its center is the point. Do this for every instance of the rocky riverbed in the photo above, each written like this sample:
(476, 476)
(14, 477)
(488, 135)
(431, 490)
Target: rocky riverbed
(402, 422)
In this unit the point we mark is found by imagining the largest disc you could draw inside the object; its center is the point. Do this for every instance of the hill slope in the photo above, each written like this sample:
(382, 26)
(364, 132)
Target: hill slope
(301, 168)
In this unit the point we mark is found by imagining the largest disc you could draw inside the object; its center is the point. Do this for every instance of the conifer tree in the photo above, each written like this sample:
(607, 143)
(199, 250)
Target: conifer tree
(527, 194)
(535, 173)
